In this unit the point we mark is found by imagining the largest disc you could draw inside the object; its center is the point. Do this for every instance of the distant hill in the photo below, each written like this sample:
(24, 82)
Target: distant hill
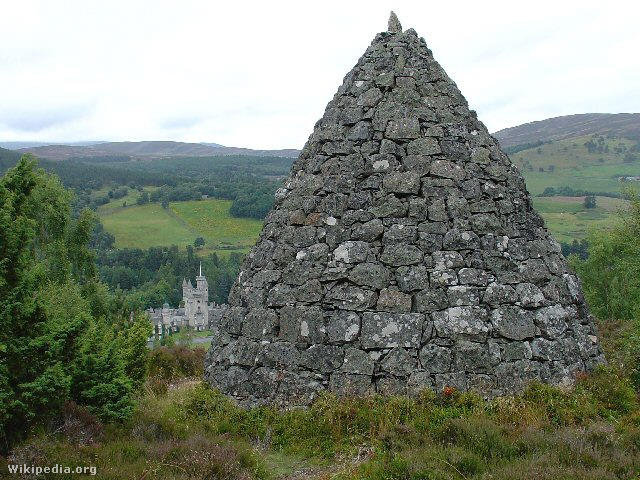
(17, 145)
(8, 158)
(625, 125)
(148, 149)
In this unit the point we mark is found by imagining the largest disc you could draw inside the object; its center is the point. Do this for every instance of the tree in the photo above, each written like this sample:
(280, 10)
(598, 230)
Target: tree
(143, 198)
(199, 242)
(100, 381)
(611, 273)
(589, 201)
(59, 326)
(165, 204)
(610, 278)
(34, 221)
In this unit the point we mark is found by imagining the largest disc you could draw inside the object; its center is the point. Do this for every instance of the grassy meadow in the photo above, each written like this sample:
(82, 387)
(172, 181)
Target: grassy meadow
(144, 226)
(568, 219)
(569, 163)
(212, 220)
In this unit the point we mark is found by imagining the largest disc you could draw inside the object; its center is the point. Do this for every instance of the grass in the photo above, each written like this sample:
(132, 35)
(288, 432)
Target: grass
(574, 166)
(144, 226)
(116, 204)
(211, 218)
(568, 163)
(191, 431)
(567, 219)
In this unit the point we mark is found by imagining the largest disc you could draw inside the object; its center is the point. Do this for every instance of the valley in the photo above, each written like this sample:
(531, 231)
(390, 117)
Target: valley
(567, 161)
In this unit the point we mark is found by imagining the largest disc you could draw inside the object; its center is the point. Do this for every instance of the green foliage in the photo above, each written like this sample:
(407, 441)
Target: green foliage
(133, 349)
(170, 363)
(143, 198)
(579, 248)
(611, 274)
(99, 380)
(589, 201)
(253, 203)
(34, 220)
(58, 325)
(572, 192)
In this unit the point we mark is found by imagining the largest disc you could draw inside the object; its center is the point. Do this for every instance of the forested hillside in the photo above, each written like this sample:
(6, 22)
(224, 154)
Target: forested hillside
(147, 149)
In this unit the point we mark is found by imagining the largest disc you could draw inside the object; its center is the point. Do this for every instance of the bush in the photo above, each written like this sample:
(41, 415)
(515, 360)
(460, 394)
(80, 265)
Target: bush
(611, 274)
(589, 201)
(170, 363)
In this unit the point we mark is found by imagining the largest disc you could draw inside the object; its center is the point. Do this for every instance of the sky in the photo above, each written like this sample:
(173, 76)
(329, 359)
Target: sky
(259, 74)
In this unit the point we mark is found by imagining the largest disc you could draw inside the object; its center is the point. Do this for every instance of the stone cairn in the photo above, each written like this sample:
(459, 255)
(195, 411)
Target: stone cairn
(402, 253)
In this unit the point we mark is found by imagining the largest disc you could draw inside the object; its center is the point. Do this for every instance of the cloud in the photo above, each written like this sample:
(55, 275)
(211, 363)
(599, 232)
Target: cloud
(35, 120)
(259, 74)
(177, 123)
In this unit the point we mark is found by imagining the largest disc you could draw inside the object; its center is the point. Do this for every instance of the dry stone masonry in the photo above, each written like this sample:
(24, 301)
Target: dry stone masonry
(402, 253)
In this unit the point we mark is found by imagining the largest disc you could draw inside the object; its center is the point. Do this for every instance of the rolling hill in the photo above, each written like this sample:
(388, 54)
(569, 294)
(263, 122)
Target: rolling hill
(564, 158)
(147, 149)
(625, 125)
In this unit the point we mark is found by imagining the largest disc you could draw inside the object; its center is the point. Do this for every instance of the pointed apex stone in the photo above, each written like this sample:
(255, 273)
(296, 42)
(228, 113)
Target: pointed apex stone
(394, 24)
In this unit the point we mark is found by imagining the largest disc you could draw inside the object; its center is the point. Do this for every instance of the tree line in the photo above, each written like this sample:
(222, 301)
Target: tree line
(248, 181)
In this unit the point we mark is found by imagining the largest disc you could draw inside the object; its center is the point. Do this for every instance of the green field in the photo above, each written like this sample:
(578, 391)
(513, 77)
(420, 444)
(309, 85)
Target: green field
(568, 220)
(212, 220)
(144, 226)
(569, 163)
(116, 204)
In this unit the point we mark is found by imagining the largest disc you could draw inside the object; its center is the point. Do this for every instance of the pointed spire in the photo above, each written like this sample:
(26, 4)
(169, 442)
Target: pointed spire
(394, 24)
(200, 268)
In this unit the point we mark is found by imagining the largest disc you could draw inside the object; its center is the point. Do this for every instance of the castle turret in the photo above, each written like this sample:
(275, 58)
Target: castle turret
(196, 302)
(201, 283)
(186, 287)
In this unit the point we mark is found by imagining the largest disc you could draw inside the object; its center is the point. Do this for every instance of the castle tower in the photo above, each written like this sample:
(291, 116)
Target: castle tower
(201, 284)
(196, 302)
(402, 253)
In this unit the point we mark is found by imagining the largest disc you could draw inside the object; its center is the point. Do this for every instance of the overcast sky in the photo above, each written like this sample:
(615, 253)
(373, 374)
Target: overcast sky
(259, 74)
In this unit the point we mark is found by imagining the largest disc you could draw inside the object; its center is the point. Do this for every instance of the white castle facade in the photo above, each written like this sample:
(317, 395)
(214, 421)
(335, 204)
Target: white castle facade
(195, 313)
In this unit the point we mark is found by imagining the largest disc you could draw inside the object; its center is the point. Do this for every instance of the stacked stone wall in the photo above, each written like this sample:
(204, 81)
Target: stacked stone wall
(402, 253)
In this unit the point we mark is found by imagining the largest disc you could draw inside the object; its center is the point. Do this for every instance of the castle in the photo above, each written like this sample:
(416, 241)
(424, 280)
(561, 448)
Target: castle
(195, 313)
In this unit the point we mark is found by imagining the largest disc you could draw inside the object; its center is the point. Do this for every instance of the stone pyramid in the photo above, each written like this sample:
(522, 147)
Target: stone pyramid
(402, 253)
